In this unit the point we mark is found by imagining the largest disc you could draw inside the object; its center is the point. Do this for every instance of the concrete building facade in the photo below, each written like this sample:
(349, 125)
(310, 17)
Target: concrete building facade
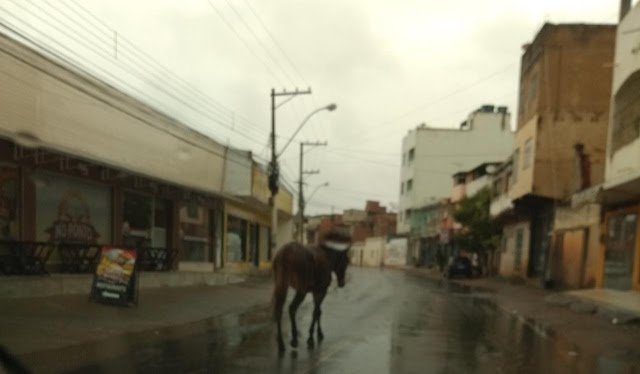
(82, 163)
(620, 256)
(560, 143)
(431, 155)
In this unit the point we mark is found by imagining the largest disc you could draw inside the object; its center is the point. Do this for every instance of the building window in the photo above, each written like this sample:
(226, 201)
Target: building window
(404, 159)
(192, 210)
(514, 170)
(9, 203)
(407, 214)
(401, 188)
(409, 185)
(71, 211)
(626, 116)
(194, 232)
(412, 154)
(528, 154)
(236, 239)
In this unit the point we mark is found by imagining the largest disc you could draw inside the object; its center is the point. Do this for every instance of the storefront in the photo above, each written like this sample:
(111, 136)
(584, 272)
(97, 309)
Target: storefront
(246, 237)
(50, 198)
(199, 235)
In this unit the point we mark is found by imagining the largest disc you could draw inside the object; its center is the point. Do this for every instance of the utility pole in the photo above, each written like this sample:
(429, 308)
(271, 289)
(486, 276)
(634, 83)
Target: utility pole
(301, 186)
(274, 170)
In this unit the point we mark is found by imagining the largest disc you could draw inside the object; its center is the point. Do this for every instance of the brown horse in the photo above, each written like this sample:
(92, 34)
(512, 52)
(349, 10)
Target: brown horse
(307, 269)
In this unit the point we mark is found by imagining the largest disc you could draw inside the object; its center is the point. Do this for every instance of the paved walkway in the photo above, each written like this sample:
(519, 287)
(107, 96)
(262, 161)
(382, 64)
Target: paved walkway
(625, 301)
(32, 325)
(581, 330)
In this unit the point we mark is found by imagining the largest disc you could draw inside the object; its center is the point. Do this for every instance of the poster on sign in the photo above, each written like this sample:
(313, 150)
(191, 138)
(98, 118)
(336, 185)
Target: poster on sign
(115, 280)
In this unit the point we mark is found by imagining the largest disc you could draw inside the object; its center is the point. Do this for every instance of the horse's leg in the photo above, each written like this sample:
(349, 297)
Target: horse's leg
(279, 296)
(317, 300)
(317, 312)
(293, 307)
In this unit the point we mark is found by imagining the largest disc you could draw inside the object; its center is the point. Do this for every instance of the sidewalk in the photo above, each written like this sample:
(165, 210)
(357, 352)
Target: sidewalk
(577, 329)
(31, 326)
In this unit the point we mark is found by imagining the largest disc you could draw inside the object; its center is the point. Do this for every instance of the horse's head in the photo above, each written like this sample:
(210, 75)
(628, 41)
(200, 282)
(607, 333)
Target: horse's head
(337, 246)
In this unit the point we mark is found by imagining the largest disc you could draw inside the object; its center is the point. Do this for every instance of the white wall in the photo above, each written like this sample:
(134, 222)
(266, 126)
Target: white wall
(373, 251)
(440, 153)
(237, 173)
(624, 164)
(396, 252)
(475, 186)
(285, 231)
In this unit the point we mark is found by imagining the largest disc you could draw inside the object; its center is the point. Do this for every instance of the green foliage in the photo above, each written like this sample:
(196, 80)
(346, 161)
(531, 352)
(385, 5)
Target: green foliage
(479, 233)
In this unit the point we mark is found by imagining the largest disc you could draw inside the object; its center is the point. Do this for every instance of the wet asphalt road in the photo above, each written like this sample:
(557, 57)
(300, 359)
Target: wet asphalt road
(381, 322)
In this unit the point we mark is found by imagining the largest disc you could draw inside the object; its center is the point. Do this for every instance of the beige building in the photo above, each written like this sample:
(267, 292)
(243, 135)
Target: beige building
(563, 113)
(370, 253)
(82, 163)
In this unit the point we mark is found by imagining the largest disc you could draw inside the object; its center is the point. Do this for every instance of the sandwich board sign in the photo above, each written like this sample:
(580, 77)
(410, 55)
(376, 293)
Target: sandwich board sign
(116, 279)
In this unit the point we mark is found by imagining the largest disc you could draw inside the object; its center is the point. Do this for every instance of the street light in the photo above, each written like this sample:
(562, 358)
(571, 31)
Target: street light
(273, 173)
(331, 107)
(325, 184)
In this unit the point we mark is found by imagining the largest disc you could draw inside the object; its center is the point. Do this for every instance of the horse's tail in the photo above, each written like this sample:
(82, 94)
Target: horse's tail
(279, 287)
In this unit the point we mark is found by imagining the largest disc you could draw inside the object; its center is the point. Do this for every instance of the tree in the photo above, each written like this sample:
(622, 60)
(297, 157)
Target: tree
(479, 234)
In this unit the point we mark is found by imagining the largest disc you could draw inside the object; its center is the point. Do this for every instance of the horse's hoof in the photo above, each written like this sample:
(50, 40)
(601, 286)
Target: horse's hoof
(320, 337)
(310, 343)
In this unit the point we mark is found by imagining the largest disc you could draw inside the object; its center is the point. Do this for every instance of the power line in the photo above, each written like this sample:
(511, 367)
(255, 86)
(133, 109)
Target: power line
(257, 39)
(275, 42)
(432, 102)
(152, 64)
(26, 83)
(244, 42)
(147, 59)
(103, 70)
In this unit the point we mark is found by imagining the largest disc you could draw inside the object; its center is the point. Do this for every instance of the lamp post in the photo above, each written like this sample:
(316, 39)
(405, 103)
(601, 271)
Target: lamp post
(273, 165)
(330, 108)
(325, 184)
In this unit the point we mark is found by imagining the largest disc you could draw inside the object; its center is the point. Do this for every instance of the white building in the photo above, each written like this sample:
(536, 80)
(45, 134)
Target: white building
(621, 196)
(431, 155)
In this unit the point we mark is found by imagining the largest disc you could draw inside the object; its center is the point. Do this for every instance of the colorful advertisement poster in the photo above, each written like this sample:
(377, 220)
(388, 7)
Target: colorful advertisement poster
(114, 280)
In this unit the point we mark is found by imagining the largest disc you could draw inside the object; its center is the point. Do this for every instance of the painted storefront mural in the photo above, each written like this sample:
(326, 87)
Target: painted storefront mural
(71, 211)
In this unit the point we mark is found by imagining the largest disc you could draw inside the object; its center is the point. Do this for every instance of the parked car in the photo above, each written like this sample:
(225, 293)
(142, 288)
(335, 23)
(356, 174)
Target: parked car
(460, 266)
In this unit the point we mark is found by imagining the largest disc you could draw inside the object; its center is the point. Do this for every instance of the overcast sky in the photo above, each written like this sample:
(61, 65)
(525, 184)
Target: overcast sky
(388, 65)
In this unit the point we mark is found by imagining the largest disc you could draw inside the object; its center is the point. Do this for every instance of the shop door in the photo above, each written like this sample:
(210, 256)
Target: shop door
(567, 260)
(254, 244)
(620, 249)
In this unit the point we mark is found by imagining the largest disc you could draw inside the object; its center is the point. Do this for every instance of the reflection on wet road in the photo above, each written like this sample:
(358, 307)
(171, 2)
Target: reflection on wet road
(381, 322)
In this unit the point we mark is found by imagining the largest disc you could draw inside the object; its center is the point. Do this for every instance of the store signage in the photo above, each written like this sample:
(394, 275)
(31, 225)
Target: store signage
(115, 280)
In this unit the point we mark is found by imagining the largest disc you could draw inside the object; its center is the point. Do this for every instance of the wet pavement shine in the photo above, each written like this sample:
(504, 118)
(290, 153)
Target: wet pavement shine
(383, 321)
